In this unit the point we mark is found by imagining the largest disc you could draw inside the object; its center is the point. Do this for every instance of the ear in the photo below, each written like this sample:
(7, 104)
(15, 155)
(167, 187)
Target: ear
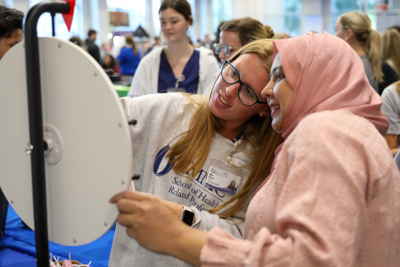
(348, 35)
(191, 20)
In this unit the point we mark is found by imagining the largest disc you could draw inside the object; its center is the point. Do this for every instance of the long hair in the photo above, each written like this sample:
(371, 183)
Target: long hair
(360, 24)
(248, 29)
(390, 49)
(189, 153)
(129, 41)
(112, 62)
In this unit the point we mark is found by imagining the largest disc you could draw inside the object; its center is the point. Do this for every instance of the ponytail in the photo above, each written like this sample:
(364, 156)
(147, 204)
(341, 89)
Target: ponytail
(360, 24)
(372, 47)
(129, 41)
(390, 48)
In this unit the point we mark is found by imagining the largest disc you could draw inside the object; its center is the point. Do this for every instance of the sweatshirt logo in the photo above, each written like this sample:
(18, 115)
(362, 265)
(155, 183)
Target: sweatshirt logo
(163, 167)
(157, 162)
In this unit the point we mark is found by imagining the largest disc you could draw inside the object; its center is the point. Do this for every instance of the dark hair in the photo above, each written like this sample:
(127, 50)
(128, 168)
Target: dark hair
(218, 31)
(76, 40)
(91, 31)
(180, 6)
(248, 29)
(112, 63)
(10, 20)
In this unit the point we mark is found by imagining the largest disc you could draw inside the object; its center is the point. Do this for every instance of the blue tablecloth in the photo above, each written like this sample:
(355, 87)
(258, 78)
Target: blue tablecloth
(19, 247)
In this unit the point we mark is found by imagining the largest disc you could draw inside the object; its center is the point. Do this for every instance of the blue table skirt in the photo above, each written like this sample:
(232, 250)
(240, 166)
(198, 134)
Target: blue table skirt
(19, 246)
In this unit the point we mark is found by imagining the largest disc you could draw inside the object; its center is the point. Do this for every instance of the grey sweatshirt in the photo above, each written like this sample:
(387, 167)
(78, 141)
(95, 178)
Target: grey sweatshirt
(162, 117)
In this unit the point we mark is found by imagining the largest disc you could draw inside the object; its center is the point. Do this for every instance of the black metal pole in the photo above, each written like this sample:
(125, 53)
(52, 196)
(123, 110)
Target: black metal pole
(36, 124)
(53, 24)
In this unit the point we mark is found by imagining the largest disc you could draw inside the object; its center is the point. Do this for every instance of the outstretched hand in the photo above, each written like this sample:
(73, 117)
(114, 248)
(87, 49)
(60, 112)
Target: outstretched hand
(151, 221)
(148, 220)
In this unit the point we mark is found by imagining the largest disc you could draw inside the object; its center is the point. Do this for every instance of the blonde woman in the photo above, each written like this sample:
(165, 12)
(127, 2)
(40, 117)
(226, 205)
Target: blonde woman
(390, 49)
(236, 33)
(355, 28)
(187, 148)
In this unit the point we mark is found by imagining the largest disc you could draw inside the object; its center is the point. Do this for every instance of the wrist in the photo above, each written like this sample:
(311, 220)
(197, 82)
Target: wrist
(187, 215)
(189, 244)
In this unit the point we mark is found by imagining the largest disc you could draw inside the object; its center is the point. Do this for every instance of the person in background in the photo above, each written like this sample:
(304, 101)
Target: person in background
(182, 139)
(238, 32)
(157, 42)
(207, 41)
(10, 29)
(129, 57)
(216, 41)
(92, 47)
(76, 40)
(355, 28)
(106, 48)
(108, 64)
(391, 108)
(390, 49)
(178, 66)
(333, 196)
(10, 34)
(397, 27)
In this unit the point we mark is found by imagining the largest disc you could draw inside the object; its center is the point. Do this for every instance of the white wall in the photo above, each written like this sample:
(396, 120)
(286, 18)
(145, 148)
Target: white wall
(273, 14)
(22, 5)
(7, 3)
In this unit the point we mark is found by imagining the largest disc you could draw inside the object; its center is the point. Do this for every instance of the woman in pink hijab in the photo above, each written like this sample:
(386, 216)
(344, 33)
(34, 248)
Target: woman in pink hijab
(333, 197)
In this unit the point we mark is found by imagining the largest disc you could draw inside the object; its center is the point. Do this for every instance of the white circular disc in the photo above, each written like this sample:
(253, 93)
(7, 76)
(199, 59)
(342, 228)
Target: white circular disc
(81, 106)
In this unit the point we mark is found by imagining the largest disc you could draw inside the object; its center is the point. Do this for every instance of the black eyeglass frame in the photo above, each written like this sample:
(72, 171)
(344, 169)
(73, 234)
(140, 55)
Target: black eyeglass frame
(241, 83)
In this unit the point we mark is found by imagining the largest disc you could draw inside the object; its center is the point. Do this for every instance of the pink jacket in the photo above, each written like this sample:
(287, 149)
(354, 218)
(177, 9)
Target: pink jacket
(332, 200)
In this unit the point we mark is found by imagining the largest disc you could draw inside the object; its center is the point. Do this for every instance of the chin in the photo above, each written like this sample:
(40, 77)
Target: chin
(277, 128)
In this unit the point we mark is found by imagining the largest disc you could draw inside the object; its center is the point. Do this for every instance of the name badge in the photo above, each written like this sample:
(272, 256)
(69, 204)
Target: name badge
(223, 179)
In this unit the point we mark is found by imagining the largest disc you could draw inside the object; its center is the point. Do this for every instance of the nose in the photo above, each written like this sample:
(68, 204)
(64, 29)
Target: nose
(232, 89)
(268, 90)
(167, 25)
(222, 56)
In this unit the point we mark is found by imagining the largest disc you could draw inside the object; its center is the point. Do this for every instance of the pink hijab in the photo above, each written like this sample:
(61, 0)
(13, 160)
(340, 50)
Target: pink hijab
(325, 73)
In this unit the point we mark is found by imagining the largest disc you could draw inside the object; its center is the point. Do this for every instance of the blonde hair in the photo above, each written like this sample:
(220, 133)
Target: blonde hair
(281, 35)
(129, 40)
(390, 49)
(360, 25)
(189, 153)
(397, 84)
(248, 29)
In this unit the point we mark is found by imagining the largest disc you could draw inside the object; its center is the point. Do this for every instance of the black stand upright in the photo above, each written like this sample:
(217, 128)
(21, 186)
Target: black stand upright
(37, 145)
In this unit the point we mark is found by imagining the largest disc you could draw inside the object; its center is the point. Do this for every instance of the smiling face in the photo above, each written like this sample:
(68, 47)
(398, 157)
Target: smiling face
(278, 94)
(228, 38)
(225, 103)
(173, 25)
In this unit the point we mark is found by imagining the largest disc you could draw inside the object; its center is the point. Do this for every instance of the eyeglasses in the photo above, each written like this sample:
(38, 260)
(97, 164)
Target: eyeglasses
(246, 95)
(227, 49)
